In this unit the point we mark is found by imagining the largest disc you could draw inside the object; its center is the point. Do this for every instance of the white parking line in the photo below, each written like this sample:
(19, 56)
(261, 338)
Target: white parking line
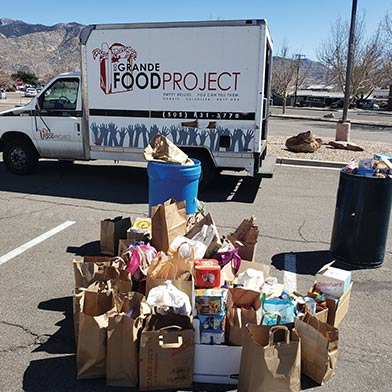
(35, 241)
(289, 275)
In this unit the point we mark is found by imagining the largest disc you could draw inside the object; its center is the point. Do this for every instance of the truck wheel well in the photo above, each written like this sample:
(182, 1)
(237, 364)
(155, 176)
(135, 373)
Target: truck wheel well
(208, 166)
(8, 136)
(202, 154)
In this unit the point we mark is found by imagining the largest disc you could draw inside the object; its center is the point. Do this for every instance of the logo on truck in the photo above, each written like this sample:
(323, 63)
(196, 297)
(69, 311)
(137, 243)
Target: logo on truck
(119, 73)
(115, 60)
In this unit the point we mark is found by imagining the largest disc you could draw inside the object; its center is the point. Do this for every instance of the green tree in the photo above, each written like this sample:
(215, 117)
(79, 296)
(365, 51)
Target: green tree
(27, 77)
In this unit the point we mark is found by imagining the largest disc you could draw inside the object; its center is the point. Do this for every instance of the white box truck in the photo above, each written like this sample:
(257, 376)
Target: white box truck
(203, 85)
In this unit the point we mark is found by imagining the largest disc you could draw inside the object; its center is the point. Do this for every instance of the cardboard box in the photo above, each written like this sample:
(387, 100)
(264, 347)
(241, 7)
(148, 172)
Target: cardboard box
(217, 364)
(333, 281)
(337, 309)
(322, 315)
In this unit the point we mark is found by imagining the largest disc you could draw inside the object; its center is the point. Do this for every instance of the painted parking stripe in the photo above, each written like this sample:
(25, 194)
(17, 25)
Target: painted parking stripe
(35, 241)
(290, 269)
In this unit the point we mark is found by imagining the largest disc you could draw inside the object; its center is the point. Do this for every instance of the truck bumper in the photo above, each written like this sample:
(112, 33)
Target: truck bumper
(263, 165)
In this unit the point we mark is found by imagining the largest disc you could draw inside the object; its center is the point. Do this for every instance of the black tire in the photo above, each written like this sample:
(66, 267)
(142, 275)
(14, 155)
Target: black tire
(20, 156)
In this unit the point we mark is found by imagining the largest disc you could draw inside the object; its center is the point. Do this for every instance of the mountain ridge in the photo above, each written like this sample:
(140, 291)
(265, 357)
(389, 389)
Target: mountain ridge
(49, 50)
(43, 50)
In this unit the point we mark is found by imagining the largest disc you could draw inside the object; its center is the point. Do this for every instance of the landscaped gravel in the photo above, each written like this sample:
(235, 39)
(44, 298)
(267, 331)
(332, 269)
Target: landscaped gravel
(276, 147)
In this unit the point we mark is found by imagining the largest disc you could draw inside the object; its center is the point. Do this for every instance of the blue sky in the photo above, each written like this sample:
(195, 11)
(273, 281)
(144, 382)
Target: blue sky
(304, 24)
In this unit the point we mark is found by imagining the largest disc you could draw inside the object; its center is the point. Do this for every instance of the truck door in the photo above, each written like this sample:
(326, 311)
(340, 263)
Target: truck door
(58, 118)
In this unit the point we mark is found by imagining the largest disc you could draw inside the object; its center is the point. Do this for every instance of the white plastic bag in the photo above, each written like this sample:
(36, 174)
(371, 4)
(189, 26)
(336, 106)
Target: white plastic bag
(185, 246)
(251, 279)
(167, 298)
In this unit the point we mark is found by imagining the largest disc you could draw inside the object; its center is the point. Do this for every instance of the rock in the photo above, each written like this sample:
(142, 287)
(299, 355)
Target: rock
(329, 115)
(345, 146)
(303, 142)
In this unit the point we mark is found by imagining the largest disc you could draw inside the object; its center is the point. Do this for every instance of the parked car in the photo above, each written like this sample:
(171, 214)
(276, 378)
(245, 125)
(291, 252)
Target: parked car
(30, 92)
(312, 102)
(337, 104)
(367, 104)
(3, 94)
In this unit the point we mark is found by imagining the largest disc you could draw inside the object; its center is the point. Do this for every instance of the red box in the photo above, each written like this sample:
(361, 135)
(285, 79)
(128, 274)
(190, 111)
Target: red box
(207, 273)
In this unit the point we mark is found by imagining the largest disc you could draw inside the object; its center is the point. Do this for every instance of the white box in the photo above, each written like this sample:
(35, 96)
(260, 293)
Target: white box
(217, 364)
(333, 281)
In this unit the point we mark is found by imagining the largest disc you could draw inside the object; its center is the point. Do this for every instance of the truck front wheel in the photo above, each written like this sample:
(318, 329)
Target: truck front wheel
(20, 157)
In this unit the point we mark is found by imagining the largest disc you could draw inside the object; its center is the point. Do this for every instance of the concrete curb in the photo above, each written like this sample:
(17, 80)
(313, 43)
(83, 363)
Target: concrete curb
(334, 120)
(310, 163)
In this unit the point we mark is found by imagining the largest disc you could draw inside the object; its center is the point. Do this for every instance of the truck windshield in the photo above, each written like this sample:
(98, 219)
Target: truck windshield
(61, 95)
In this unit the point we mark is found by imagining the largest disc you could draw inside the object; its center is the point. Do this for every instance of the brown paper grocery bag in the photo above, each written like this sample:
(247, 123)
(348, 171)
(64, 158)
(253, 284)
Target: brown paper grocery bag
(270, 360)
(166, 352)
(213, 242)
(76, 305)
(96, 304)
(243, 307)
(319, 348)
(113, 230)
(245, 238)
(122, 358)
(168, 221)
(177, 268)
(89, 269)
(161, 149)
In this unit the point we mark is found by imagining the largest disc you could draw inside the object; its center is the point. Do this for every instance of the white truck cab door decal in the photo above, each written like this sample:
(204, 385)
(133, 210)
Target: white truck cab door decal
(58, 120)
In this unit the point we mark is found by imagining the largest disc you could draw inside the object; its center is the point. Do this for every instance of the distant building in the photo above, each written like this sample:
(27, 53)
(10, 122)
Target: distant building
(324, 95)
(327, 95)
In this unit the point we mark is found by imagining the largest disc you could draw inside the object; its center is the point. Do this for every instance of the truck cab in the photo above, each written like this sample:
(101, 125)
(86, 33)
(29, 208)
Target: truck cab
(49, 126)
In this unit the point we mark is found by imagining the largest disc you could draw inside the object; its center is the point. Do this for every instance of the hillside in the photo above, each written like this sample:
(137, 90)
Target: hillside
(44, 50)
(315, 71)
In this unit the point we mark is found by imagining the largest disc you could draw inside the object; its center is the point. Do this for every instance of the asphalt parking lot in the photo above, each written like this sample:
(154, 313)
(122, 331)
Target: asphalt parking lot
(49, 217)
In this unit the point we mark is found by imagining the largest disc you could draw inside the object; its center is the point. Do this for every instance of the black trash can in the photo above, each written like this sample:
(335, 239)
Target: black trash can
(361, 222)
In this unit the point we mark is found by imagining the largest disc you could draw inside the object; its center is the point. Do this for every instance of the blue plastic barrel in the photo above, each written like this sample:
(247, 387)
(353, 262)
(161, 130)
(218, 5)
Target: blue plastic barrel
(171, 181)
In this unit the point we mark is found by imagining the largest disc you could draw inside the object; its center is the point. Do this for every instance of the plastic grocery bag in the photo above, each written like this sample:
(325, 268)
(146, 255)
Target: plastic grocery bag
(140, 259)
(168, 299)
(277, 307)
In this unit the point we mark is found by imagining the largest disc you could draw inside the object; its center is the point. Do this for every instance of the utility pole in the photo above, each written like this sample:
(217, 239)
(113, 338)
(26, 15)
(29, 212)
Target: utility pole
(343, 127)
(298, 55)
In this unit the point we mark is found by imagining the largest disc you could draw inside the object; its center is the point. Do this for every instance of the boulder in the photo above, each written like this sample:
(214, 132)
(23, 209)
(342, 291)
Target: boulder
(345, 146)
(303, 142)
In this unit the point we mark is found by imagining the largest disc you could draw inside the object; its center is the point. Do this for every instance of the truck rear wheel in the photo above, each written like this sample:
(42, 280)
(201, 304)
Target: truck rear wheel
(20, 157)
